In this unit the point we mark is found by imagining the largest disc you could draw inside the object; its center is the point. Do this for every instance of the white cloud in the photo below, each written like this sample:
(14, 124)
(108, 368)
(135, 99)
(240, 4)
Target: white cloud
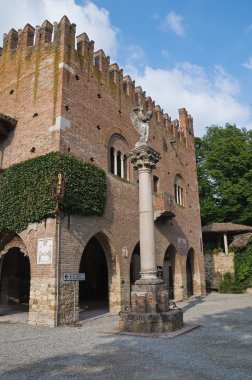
(135, 60)
(210, 99)
(248, 63)
(87, 16)
(174, 23)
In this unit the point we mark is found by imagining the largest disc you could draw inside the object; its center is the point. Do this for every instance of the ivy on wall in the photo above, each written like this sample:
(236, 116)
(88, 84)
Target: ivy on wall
(243, 266)
(26, 194)
(242, 277)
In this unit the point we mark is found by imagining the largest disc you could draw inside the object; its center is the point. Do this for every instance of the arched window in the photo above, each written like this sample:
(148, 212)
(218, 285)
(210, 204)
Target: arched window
(118, 156)
(179, 194)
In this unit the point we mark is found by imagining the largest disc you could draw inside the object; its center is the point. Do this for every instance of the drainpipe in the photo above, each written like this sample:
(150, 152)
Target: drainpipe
(57, 267)
(58, 193)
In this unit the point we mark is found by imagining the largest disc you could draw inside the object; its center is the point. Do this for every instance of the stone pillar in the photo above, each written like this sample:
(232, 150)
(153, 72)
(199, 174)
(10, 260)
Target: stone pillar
(145, 159)
(225, 244)
(122, 166)
(115, 162)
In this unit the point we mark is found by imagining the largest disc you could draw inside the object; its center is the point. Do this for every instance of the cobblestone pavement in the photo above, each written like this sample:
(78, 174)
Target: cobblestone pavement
(221, 348)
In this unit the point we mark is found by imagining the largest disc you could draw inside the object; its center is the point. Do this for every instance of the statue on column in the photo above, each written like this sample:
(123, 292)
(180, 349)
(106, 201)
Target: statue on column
(140, 122)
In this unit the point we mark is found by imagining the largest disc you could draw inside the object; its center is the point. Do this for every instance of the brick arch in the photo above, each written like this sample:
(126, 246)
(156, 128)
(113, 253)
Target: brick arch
(176, 269)
(111, 132)
(15, 269)
(93, 231)
(14, 242)
(112, 264)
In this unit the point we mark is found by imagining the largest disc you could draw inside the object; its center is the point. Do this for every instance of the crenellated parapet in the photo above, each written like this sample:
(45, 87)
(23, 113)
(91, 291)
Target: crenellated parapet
(76, 55)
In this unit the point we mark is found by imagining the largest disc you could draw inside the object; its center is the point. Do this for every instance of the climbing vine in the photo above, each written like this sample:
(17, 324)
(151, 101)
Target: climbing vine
(243, 266)
(242, 277)
(26, 194)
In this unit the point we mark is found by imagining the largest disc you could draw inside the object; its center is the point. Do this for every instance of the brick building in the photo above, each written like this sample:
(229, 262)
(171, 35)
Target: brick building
(56, 95)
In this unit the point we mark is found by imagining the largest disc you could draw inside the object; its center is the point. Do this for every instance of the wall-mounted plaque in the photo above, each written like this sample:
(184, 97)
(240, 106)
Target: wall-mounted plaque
(45, 251)
(182, 246)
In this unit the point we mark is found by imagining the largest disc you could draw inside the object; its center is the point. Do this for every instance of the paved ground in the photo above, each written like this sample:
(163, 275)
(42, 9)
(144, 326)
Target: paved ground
(220, 349)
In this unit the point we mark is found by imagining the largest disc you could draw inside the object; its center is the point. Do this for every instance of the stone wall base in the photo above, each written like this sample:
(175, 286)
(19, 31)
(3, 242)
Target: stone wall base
(42, 304)
(152, 322)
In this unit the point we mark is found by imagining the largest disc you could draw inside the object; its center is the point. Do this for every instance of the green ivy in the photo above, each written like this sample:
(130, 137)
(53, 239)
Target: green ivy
(26, 194)
(243, 266)
(242, 277)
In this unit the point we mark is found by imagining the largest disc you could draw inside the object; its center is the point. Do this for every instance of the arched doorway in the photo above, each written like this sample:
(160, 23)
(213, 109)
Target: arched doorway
(135, 265)
(190, 272)
(15, 278)
(169, 269)
(93, 292)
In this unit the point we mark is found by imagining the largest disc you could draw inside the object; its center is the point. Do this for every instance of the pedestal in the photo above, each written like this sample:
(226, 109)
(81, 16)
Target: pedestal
(151, 311)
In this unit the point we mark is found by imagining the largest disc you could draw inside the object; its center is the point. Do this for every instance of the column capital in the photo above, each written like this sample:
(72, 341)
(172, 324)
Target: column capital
(144, 157)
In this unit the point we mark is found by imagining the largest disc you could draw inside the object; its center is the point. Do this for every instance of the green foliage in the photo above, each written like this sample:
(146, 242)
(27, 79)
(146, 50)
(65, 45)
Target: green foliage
(26, 195)
(243, 266)
(229, 285)
(242, 277)
(224, 165)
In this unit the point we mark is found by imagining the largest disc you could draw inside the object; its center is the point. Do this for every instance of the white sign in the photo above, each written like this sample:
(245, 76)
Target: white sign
(182, 248)
(45, 251)
(74, 276)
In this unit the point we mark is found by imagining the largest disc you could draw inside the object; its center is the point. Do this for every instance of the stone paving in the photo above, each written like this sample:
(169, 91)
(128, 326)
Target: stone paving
(221, 348)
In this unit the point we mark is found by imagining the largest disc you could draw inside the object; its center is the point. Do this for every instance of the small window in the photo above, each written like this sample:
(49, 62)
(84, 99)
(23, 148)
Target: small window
(179, 191)
(155, 184)
(118, 163)
(117, 160)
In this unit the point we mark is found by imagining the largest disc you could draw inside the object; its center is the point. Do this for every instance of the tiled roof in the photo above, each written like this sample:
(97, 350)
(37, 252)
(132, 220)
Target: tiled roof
(241, 240)
(226, 227)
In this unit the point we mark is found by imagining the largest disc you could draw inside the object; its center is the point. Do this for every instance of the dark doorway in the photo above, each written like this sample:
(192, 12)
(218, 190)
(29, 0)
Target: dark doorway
(169, 270)
(189, 274)
(93, 292)
(15, 278)
(135, 265)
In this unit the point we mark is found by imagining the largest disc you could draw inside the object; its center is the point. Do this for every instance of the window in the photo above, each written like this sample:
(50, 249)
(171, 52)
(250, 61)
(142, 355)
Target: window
(179, 190)
(155, 184)
(117, 157)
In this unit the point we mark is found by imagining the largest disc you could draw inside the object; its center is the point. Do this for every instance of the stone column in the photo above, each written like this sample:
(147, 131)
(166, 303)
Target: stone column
(122, 166)
(115, 162)
(149, 310)
(225, 244)
(145, 159)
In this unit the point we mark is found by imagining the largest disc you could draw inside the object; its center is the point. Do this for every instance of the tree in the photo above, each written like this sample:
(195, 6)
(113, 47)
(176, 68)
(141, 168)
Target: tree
(224, 165)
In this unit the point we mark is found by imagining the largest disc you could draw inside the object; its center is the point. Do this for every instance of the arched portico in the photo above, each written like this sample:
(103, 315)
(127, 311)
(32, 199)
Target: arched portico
(190, 273)
(15, 275)
(102, 285)
(93, 292)
(172, 273)
(169, 269)
(135, 264)
(193, 276)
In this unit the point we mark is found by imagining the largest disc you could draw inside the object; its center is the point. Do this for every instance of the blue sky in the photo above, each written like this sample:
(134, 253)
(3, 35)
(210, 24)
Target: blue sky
(195, 54)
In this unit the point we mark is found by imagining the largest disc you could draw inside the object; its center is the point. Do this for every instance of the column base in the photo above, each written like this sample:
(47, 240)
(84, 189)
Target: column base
(152, 322)
(150, 310)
